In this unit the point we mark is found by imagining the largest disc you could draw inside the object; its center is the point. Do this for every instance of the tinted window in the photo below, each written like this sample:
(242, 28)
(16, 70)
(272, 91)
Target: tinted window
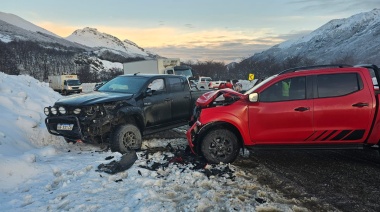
(288, 89)
(330, 85)
(124, 84)
(176, 84)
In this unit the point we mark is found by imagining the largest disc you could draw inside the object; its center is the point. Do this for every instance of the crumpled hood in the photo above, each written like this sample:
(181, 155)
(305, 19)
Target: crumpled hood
(207, 98)
(93, 98)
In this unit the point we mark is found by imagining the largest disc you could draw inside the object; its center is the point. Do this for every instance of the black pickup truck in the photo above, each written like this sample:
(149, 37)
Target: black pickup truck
(122, 110)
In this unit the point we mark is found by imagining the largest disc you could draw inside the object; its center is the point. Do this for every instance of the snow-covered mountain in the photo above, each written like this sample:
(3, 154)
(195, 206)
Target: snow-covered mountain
(13, 28)
(102, 42)
(17, 21)
(357, 37)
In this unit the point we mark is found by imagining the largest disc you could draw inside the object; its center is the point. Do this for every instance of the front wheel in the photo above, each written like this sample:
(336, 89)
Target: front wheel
(220, 145)
(126, 137)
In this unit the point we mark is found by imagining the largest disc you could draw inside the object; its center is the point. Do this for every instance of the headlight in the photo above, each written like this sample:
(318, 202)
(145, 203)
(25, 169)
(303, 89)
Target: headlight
(46, 111)
(77, 111)
(62, 110)
(53, 110)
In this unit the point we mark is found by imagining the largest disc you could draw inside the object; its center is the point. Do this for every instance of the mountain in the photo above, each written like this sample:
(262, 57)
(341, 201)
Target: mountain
(14, 28)
(102, 42)
(356, 38)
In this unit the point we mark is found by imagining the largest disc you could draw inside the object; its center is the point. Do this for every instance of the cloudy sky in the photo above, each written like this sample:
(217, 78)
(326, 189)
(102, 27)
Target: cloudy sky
(218, 30)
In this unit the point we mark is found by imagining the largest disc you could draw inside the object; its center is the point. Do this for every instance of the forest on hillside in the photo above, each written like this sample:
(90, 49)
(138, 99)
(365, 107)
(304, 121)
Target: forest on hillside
(41, 60)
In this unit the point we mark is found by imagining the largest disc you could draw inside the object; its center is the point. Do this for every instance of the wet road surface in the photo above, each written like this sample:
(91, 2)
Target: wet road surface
(322, 180)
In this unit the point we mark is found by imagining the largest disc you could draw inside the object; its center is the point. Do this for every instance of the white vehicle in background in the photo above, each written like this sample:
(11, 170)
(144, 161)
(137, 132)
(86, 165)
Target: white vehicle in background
(203, 82)
(158, 66)
(65, 84)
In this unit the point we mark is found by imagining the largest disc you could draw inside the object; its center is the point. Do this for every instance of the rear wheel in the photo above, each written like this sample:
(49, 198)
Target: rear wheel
(220, 145)
(126, 137)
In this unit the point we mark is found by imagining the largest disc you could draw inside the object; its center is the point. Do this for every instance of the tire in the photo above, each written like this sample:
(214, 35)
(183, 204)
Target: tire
(220, 145)
(126, 137)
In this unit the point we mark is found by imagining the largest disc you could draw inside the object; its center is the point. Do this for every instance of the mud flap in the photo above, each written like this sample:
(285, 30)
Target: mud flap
(125, 162)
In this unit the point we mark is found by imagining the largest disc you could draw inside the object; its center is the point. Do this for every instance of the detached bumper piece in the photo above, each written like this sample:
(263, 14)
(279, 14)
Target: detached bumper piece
(66, 126)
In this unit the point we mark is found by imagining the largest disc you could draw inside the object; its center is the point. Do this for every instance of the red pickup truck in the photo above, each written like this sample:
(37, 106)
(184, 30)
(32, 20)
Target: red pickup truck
(317, 107)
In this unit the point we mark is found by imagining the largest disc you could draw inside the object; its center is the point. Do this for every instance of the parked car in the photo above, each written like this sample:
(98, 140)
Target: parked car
(318, 107)
(202, 82)
(123, 110)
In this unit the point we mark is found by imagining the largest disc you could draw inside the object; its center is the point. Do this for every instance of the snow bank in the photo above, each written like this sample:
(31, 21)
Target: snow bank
(22, 126)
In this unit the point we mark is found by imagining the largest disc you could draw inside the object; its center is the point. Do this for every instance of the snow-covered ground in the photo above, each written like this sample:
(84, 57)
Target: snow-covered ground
(41, 172)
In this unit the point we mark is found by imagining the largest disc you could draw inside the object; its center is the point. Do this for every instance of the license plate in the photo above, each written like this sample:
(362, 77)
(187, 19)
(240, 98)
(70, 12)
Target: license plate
(65, 126)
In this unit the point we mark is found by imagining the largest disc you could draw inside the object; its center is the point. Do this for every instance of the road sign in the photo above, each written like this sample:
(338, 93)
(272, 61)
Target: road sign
(251, 77)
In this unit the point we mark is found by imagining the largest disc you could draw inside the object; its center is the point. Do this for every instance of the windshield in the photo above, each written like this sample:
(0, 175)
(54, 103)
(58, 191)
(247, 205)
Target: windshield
(184, 72)
(260, 84)
(206, 79)
(124, 84)
(73, 82)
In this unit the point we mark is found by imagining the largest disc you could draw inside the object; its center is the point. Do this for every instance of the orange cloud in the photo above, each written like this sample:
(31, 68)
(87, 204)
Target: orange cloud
(170, 36)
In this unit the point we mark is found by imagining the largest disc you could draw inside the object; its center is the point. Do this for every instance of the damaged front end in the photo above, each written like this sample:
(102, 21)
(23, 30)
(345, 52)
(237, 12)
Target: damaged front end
(90, 123)
(209, 100)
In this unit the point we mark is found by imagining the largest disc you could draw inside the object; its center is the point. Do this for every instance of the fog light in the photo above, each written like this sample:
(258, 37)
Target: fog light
(53, 110)
(62, 110)
(77, 111)
(46, 111)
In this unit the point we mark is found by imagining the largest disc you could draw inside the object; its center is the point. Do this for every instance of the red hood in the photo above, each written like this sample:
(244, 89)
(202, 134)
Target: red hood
(204, 100)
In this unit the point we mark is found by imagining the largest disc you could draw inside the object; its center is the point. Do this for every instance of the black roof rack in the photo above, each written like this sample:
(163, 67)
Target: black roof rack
(367, 66)
(314, 67)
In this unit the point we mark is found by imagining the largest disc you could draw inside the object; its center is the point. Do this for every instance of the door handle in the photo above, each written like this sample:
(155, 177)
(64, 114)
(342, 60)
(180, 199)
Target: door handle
(186, 97)
(360, 104)
(168, 100)
(301, 109)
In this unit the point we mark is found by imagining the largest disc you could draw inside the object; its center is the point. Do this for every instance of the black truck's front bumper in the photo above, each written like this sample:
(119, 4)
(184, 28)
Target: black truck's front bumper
(66, 126)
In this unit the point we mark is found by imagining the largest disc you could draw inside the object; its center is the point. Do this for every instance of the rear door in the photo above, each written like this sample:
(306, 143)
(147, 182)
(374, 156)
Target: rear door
(180, 99)
(343, 108)
(284, 113)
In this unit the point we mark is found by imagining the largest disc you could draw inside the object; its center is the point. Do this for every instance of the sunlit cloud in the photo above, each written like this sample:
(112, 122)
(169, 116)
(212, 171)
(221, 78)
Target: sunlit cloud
(216, 44)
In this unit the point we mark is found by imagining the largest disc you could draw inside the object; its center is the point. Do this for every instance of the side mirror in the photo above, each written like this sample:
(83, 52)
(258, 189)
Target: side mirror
(148, 92)
(253, 97)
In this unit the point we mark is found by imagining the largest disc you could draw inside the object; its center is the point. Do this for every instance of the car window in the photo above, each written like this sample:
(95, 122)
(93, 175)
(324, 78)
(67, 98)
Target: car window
(330, 85)
(124, 84)
(157, 85)
(284, 90)
(176, 84)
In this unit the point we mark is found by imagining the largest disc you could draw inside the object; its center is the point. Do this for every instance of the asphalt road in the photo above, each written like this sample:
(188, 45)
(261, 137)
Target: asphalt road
(321, 180)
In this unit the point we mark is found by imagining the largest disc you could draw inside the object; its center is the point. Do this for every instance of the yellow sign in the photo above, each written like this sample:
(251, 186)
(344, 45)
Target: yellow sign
(251, 77)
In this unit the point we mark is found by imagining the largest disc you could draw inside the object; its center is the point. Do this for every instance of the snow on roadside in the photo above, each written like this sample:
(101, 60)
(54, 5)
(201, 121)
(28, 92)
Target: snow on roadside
(40, 172)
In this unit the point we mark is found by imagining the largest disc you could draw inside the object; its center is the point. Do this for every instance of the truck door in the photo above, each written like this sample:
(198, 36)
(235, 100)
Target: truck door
(158, 106)
(283, 114)
(343, 109)
(180, 96)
